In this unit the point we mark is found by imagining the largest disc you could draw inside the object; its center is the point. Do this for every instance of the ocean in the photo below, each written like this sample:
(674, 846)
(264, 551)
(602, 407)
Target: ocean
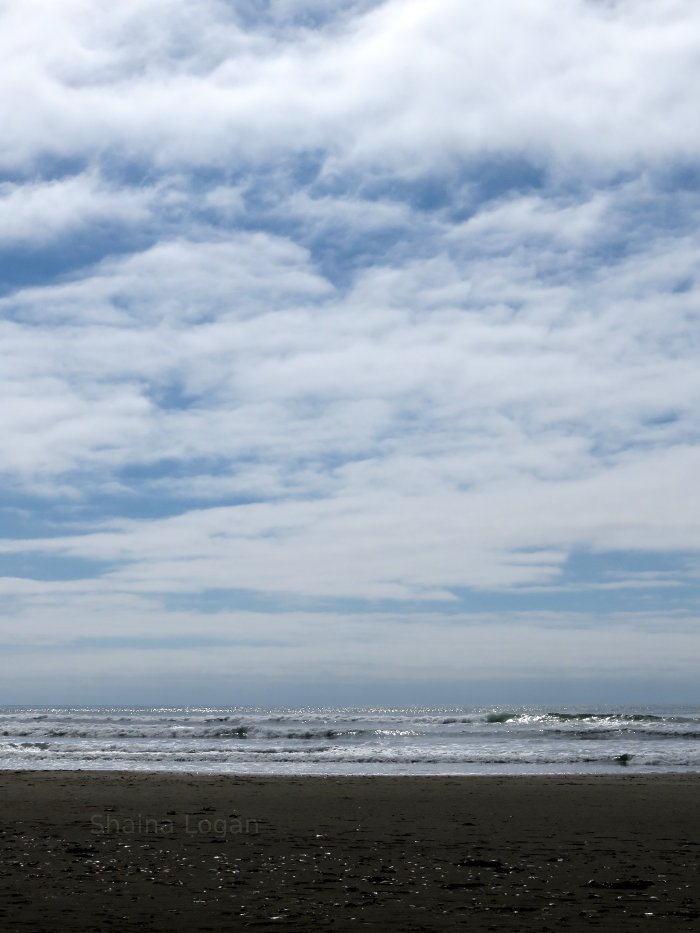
(417, 740)
(420, 740)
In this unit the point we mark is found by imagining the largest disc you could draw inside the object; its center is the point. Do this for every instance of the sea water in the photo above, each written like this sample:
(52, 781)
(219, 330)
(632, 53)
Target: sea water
(414, 740)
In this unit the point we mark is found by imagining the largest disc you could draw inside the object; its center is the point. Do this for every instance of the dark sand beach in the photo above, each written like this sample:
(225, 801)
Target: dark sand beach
(164, 852)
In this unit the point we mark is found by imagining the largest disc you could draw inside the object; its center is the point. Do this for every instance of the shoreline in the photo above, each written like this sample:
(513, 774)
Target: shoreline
(157, 851)
(621, 772)
(613, 770)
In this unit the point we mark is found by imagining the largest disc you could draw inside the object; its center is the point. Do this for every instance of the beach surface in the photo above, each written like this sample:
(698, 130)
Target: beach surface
(96, 851)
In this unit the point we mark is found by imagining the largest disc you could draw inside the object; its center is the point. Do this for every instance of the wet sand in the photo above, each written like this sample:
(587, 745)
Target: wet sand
(91, 851)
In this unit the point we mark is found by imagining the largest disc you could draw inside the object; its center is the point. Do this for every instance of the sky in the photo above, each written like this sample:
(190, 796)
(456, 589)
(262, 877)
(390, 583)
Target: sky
(349, 351)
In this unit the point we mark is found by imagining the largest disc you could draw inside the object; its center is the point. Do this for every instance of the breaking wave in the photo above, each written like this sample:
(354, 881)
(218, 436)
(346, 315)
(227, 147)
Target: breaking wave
(373, 741)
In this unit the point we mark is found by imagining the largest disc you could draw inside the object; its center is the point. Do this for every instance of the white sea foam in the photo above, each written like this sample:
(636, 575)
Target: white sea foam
(351, 741)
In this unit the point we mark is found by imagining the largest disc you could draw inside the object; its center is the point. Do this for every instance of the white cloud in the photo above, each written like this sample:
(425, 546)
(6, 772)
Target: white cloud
(404, 84)
(346, 344)
(443, 420)
(38, 212)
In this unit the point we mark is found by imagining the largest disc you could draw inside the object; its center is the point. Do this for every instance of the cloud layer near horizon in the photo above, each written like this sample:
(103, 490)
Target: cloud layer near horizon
(341, 318)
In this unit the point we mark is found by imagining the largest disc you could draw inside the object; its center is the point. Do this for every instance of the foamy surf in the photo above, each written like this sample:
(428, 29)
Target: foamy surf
(352, 741)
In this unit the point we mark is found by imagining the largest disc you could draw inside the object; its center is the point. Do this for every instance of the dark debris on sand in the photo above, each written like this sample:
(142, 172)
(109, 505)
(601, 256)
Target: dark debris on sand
(96, 852)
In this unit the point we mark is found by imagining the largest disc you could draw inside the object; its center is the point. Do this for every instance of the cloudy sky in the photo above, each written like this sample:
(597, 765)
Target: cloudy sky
(349, 351)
